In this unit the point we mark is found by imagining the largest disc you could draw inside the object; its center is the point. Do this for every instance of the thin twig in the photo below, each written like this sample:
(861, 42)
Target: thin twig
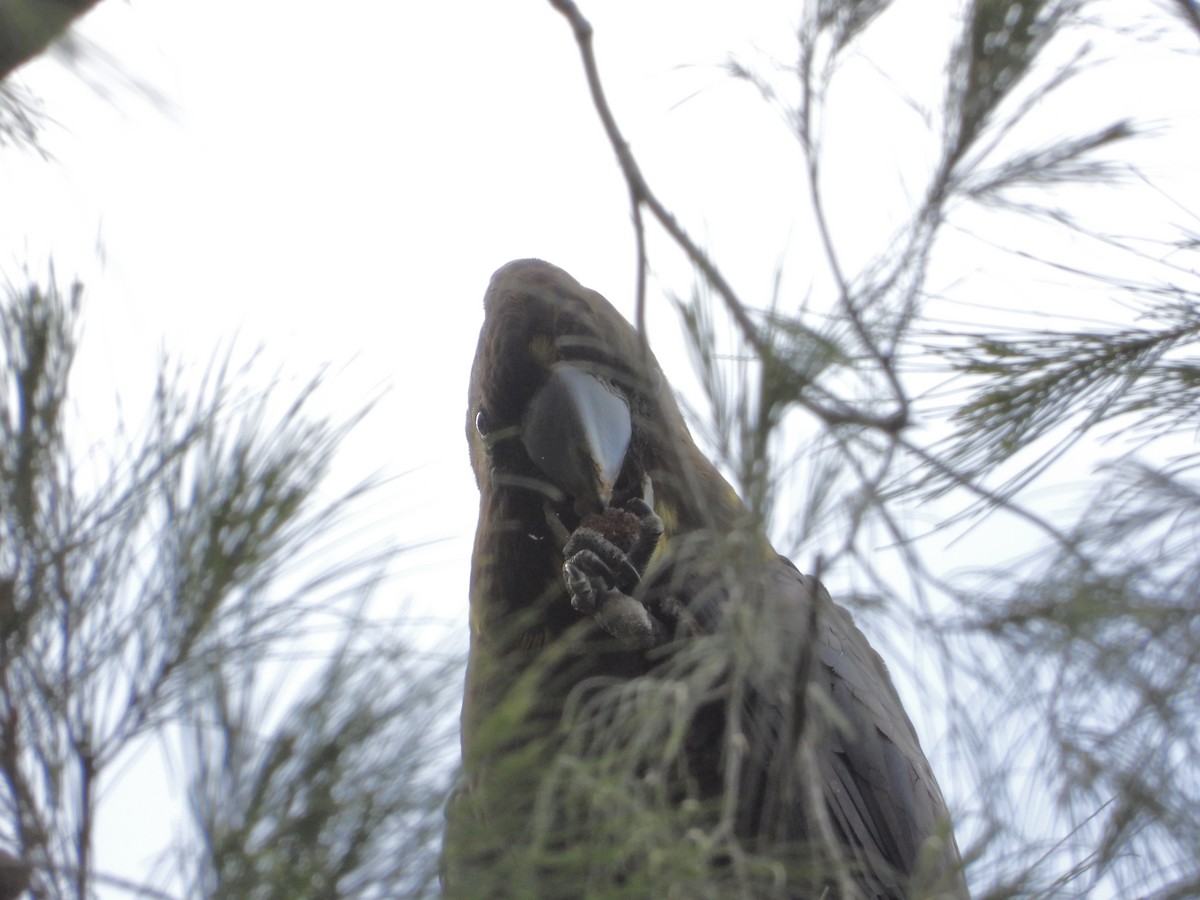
(639, 233)
(809, 145)
(1068, 544)
(638, 186)
(831, 411)
(1191, 12)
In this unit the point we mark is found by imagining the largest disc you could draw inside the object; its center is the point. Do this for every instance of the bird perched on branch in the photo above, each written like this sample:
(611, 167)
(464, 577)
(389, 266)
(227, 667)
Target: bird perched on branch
(657, 703)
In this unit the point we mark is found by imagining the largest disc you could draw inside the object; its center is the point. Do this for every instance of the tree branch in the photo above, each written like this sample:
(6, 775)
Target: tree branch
(832, 411)
(639, 188)
(1190, 10)
(28, 27)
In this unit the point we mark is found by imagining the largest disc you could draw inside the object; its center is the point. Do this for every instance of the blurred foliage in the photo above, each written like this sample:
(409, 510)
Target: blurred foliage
(1062, 384)
(20, 117)
(343, 798)
(150, 599)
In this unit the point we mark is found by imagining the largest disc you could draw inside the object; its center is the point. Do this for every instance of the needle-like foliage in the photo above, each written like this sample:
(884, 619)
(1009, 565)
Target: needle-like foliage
(150, 598)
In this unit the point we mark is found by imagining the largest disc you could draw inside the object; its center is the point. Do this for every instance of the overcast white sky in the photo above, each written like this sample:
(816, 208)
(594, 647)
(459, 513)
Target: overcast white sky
(337, 182)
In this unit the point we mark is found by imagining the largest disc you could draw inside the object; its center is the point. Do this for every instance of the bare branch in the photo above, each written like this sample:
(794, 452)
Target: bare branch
(1190, 10)
(830, 409)
(28, 27)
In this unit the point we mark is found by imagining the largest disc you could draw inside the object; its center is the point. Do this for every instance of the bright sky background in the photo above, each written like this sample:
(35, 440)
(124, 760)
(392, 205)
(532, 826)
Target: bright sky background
(337, 182)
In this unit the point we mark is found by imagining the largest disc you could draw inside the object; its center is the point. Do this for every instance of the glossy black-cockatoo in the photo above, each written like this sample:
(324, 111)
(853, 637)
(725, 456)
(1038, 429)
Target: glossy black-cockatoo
(657, 704)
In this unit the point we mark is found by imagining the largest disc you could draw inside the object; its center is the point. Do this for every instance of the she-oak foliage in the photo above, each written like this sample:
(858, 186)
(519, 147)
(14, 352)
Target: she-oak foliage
(149, 593)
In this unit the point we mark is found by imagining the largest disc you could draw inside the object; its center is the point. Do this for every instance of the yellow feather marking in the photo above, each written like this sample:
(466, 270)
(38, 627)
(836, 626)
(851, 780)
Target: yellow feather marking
(670, 520)
(734, 499)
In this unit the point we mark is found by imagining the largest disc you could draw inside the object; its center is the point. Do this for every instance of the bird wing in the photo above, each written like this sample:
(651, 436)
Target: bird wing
(832, 766)
(878, 786)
